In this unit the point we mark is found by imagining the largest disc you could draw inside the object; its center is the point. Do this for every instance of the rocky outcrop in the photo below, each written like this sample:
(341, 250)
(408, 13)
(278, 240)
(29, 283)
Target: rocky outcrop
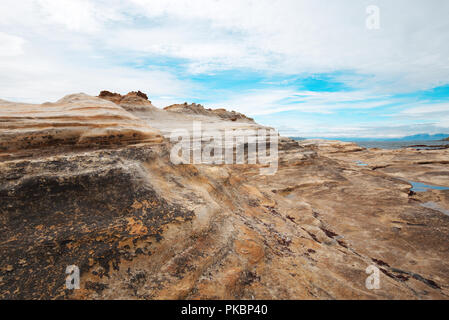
(81, 209)
(198, 109)
(74, 122)
(331, 146)
(140, 227)
(133, 101)
(117, 98)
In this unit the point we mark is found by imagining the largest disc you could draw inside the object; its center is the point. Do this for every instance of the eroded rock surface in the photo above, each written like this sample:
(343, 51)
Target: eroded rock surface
(140, 227)
(76, 121)
(197, 109)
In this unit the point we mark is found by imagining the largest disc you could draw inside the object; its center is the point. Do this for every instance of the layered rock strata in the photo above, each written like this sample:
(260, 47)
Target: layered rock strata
(101, 193)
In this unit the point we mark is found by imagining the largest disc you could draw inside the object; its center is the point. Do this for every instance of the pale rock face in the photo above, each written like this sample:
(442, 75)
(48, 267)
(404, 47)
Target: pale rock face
(77, 120)
(101, 193)
(197, 109)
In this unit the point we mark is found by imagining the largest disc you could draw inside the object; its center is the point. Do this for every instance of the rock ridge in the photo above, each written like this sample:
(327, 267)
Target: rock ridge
(101, 193)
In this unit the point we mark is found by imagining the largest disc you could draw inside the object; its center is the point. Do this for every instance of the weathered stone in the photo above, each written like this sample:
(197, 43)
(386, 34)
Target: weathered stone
(140, 227)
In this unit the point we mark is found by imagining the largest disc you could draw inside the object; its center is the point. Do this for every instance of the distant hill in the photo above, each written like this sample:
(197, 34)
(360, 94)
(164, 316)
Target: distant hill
(416, 137)
(425, 136)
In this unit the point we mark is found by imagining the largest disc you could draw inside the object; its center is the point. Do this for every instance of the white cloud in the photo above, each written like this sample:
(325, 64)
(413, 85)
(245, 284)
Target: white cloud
(265, 102)
(74, 15)
(438, 113)
(10, 45)
(318, 114)
(57, 50)
(410, 51)
(39, 79)
(428, 109)
(53, 47)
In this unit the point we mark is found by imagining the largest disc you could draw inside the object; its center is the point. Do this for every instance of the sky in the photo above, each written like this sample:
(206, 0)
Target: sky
(308, 68)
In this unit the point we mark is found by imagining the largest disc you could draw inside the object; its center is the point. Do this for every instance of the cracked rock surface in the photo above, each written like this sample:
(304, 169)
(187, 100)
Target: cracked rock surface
(88, 181)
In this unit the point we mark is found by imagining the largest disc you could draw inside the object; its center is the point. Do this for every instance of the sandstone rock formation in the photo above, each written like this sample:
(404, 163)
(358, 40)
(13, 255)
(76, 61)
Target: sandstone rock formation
(198, 109)
(74, 122)
(89, 182)
(134, 100)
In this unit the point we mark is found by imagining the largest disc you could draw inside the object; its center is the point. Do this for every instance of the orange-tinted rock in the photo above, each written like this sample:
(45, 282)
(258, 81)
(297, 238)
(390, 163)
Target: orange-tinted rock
(132, 101)
(198, 109)
(140, 227)
(76, 121)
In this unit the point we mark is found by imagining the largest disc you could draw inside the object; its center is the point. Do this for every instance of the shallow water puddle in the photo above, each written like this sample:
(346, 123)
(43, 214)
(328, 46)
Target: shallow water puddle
(421, 187)
(434, 206)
